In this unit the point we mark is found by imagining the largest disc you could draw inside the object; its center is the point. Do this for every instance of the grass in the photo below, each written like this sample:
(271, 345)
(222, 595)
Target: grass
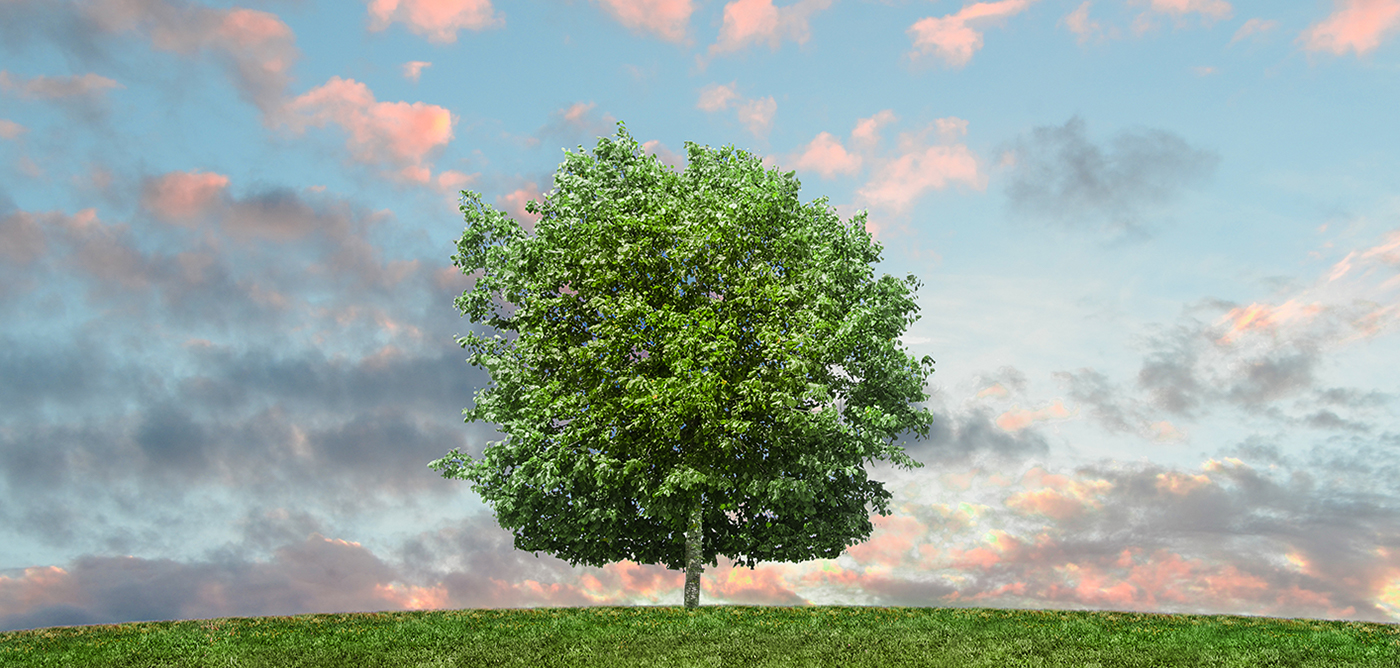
(751, 637)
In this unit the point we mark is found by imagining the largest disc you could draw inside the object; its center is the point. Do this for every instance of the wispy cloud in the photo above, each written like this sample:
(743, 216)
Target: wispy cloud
(438, 20)
(1211, 10)
(46, 88)
(180, 197)
(578, 120)
(1078, 23)
(897, 182)
(665, 18)
(955, 37)
(827, 157)
(412, 69)
(257, 46)
(10, 129)
(1057, 173)
(84, 96)
(751, 21)
(1358, 25)
(1253, 28)
(398, 134)
(755, 115)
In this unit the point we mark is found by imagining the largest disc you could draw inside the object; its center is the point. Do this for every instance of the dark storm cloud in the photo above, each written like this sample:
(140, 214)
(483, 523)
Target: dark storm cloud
(1059, 174)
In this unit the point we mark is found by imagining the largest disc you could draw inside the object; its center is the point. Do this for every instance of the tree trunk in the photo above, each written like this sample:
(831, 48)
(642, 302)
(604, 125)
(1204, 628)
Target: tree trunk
(693, 556)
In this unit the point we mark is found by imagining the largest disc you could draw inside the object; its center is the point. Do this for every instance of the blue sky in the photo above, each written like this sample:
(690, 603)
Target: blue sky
(1157, 240)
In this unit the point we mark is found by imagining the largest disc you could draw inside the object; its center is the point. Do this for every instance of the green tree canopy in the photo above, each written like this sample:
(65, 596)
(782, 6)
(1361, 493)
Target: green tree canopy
(674, 370)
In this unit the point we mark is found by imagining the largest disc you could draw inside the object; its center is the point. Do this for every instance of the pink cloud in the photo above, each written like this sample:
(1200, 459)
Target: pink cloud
(949, 129)
(181, 196)
(452, 180)
(747, 21)
(1078, 23)
(1359, 25)
(665, 155)
(867, 130)
(577, 112)
(46, 88)
(438, 19)
(757, 115)
(412, 69)
(513, 204)
(575, 118)
(450, 184)
(261, 48)
(899, 182)
(398, 133)
(827, 157)
(952, 36)
(667, 18)
(1252, 27)
(11, 129)
(1211, 9)
(716, 97)
(1017, 419)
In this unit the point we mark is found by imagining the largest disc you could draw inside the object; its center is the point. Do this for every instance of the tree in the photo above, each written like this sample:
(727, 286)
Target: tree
(673, 372)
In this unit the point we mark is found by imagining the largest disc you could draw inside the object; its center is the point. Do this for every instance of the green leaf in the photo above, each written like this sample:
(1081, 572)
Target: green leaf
(607, 452)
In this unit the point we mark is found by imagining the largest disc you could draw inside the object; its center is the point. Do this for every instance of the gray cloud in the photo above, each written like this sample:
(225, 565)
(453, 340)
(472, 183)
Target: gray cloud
(1060, 175)
(258, 62)
(1224, 532)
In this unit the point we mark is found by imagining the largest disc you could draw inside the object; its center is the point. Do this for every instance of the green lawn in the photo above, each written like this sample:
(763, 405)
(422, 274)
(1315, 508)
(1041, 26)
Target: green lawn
(747, 637)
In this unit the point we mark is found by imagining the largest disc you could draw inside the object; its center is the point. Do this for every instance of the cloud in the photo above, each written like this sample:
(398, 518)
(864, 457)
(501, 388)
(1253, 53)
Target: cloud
(45, 88)
(898, 182)
(397, 134)
(257, 46)
(84, 96)
(716, 97)
(439, 20)
(954, 37)
(179, 197)
(1359, 25)
(867, 131)
(755, 115)
(827, 157)
(568, 123)
(750, 21)
(665, 18)
(1078, 23)
(1259, 354)
(21, 239)
(665, 155)
(10, 129)
(314, 444)
(1253, 27)
(1212, 10)
(1059, 174)
(413, 68)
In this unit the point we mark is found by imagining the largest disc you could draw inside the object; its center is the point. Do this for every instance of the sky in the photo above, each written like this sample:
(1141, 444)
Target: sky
(1157, 242)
